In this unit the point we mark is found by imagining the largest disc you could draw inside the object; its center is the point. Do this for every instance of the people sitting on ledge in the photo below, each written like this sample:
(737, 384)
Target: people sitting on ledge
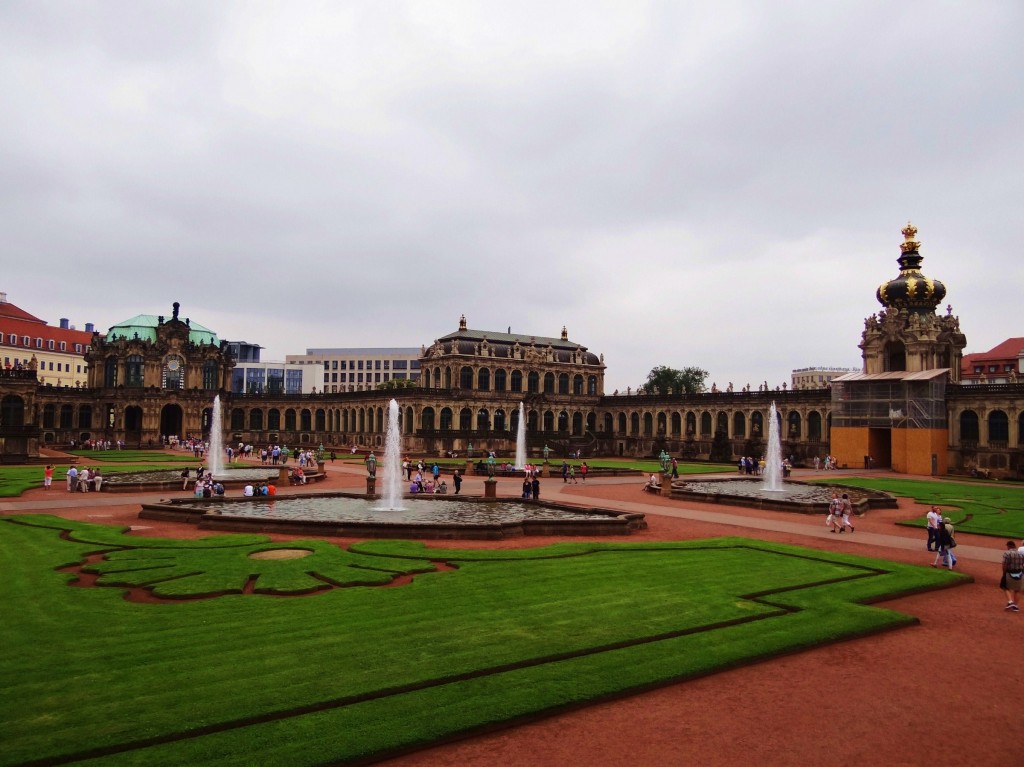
(652, 485)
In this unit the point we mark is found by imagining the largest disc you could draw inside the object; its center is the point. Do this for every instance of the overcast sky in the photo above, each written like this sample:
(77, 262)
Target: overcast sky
(719, 184)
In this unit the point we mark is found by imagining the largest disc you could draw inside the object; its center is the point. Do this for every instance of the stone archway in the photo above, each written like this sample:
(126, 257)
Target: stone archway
(171, 420)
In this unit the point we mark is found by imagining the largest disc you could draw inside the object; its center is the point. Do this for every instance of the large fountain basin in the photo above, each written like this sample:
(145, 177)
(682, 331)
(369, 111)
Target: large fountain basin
(798, 497)
(435, 517)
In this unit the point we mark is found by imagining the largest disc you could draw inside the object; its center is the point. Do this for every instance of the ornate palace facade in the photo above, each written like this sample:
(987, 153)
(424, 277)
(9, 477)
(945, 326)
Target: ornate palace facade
(152, 378)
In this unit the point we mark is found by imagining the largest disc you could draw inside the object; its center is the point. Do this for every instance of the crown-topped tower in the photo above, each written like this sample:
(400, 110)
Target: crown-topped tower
(908, 335)
(911, 290)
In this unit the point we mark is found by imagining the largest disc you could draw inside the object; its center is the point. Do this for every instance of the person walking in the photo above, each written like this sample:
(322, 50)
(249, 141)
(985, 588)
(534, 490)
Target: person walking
(946, 545)
(72, 478)
(1013, 575)
(565, 471)
(583, 471)
(572, 475)
(457, 481)
(934, 520)
(846, 508)
(675, 469)
(835, 507)
(535, 486)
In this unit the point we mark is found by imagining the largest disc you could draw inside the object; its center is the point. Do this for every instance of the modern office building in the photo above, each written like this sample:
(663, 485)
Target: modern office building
(816, 377)
(344, 370)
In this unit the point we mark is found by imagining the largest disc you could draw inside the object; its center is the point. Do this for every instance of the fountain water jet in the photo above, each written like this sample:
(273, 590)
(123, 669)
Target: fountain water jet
(521, 439)
(772, 480)
(391, 473)
(215, 460)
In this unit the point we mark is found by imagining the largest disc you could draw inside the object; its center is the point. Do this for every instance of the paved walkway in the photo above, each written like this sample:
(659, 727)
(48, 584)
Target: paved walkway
(805, 526)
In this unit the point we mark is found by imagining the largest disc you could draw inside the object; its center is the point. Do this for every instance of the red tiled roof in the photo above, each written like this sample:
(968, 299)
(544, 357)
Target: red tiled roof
(8, 310)
(33, 329)
(1007, 350)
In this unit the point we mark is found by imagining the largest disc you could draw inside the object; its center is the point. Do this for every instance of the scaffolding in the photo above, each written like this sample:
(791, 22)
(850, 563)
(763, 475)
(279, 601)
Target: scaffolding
(896, 400)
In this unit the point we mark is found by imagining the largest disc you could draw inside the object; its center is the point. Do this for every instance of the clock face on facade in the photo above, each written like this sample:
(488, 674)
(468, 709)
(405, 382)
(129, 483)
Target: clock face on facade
(173, 364)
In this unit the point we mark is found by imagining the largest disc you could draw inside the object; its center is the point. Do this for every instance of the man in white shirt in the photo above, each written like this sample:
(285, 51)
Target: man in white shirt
(248, 491)
(934, 520)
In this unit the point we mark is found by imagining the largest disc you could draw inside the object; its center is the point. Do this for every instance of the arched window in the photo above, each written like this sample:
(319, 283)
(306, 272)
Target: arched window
(466, 378)
(483, 420)
(814, 426)
(691, 423)
(289, 420)
(110, 372)
(499, 420)
(134, 371)
(563, 383)
(237, 419)
(174, 373)
(648, 424)
(793, 425)
(549, 383)
(483, 379)
(465, 419)
(12, 411)
(513, 421)
(408, 421)
(447, 378)
(67, 416)
(677, 425)
(705, 424)
(256, 419)
(1020, 429)
(969, 426)
(427, 419)
(549, 421)
(622, 423)
(531, 420)
(49, 416)
(577, 424)
(723, 423)
(533, 382)
(437, 378)
(592, 386)
(757, 424)
(517, 380)
(577, 385)
(894, 357)
(662, 424)
(739, 425)
(609, 423)
(274, 419)
(592, 422)
(634, 424)
(85, 417)
(210, 377)
(446, 419)
(500, 380)
(563, 421)
(321, 419)
(998, 427)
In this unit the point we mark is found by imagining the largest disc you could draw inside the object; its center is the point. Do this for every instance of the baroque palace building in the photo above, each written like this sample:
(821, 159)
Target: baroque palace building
(153, 379)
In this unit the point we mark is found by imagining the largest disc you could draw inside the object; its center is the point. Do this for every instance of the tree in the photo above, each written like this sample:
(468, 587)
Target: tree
(665, 380)
(398, 383)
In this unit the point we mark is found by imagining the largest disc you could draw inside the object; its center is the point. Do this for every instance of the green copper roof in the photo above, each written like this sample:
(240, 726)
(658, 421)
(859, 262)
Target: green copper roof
(145, 326)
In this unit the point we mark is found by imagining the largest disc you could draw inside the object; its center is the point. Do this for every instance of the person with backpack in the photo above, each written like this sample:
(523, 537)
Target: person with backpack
(946, 545)
(835, 510)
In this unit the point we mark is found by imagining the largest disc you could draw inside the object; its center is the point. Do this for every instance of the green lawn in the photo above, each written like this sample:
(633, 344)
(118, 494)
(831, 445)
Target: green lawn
(134, 456)
(360, 671)
(973, 507)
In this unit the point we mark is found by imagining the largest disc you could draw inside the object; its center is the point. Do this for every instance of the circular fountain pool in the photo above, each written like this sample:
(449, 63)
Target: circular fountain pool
(792, 496)
(345, 515)
(170, 479)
